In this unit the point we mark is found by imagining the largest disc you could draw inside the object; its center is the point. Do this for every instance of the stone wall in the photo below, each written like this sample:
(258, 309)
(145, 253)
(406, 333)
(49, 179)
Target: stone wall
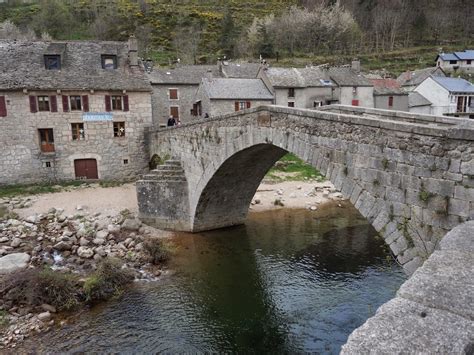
(410, 176)
(161, 102)
(433, 312)
(222, 107)
(22, 161)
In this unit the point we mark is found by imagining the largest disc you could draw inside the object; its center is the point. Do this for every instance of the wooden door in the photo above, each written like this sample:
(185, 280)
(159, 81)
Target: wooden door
(461, 107)
(86, 169)
(174, 111)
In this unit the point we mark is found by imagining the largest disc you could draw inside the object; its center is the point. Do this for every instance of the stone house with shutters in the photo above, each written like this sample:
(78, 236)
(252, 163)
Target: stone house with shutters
(389, 95)
(72, 110)
(353, 89)
(225, 95)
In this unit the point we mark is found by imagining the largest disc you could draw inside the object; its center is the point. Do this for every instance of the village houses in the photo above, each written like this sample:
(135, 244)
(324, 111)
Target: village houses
(72, 110)
(410, 79)
(459, 62)
(389, 95)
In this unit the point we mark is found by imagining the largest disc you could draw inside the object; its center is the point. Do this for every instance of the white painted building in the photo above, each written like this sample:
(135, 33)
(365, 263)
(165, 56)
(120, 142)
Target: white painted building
(448, 96)
(456, 61)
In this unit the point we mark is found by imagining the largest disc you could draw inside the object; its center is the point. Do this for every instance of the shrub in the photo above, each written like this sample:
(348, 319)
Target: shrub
(157, 250)
(107, 281)
(34, 287)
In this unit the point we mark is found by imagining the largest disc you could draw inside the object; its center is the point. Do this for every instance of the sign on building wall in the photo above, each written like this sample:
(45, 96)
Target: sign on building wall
(96, 116)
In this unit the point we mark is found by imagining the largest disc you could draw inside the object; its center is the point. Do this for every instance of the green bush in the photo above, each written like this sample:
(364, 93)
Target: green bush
(157, 250)
(107, 281)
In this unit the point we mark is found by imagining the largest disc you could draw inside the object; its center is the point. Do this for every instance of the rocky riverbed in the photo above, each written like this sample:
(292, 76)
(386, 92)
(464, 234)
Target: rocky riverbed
(51, 231)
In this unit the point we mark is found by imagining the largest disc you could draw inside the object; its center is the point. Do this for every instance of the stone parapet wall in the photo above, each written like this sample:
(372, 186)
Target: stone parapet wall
(412, 181)
(433, 312)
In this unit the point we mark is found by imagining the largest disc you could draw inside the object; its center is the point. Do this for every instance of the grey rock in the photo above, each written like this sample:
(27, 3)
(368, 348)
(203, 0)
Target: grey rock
(131, 224)
(48, 308)
(44, 317)
(13, 262)
(4, 239)
(98, 241)
(63, 246)
(15, 242)
(114, 229)
(84, 241)
(85, 252)
(102, 234)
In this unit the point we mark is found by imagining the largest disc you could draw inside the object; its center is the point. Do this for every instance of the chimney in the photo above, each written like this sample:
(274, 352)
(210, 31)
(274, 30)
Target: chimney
(133, 50)
(356, 66)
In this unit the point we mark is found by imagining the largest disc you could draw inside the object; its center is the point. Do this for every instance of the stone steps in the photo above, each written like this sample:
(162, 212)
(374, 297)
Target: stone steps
(170, 171)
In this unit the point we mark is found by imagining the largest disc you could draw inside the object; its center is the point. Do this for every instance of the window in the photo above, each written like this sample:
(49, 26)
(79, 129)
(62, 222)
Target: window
(77, 130)
(354, 90)
(291, 92)
(47, 164)
(125, 162)
(119, 129)
(52, 62)
(75, 102)
(173, 93)
(453, 62)
(46, 140)
(355, 102)
(390, 101)
(174, 111)
(468, 62)
(317, 104)
(291, 104)
(43, 103)
(242, 105)
(117, 103)
(109, 62)
(3, 107)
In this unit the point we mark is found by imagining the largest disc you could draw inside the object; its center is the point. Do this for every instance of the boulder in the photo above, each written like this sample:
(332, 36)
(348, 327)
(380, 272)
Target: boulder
(44, 317)
(85, 252)
(48, 308)
(102, 234)
(98, 241)
(84, 241)
(13, 262)
(113, 229)
(15, 242)
(131, 224)
(63, 245)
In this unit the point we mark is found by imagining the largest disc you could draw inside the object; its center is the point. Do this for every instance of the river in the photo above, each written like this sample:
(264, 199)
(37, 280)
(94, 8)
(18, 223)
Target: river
(289, 281)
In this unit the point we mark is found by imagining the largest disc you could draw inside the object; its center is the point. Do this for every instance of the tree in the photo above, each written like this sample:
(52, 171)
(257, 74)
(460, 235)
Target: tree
(229, 34)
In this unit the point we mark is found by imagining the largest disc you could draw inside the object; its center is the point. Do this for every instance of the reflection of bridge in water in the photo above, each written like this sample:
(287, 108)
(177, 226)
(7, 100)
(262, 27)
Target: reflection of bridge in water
(411, 176)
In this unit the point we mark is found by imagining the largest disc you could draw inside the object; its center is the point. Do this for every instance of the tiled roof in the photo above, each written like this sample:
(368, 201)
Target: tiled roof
(186, 74)
(297, 77)
(346, 76)
(415, 77)
(240, 70)
(465, 55)
(415, 99)
(22, 66)
(455, 84)
(386, 86)
(448, 56)
(230, 88)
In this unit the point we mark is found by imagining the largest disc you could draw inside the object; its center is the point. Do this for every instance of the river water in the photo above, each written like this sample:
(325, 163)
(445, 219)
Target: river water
(289, 281)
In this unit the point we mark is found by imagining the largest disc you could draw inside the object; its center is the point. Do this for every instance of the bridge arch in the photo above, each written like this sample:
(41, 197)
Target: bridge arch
(402, 172)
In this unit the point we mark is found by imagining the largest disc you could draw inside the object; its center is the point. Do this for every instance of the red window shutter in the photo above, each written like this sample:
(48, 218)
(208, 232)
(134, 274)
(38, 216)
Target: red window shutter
(390, 101)
(125, 103)
(85, 103)
(3, 107)
(355, 102)
(108, 108)
(65, 103)
(54, 103)
(248, 104)
(236, 106)
(33, 106)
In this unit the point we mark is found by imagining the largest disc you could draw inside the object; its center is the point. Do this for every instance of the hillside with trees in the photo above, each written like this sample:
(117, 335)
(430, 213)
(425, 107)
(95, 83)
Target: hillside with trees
(291, 31)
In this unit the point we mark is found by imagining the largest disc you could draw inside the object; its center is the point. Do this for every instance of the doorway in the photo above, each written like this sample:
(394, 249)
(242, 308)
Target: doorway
(86, 169)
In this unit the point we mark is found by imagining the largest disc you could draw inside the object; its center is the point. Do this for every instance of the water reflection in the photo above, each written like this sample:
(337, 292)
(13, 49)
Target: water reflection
(287, 282)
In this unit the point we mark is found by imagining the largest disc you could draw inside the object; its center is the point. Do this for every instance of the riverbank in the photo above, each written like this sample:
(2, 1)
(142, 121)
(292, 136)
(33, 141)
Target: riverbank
(73, 231)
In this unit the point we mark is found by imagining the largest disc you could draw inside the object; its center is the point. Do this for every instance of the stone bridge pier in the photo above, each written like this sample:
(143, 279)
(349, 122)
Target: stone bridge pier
(411, 176)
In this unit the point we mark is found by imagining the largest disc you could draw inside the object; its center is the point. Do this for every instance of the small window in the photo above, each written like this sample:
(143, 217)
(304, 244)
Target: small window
(317, 104)
(291, 104)
(453, 62)
(468, 62)
(119, 129)
(117, 103)
(173, 94)
(291, 92)
(390, 101)
(46, 140)
(354, 90)
(125, 162)
(109, 62)
(242, 105)
(52, 62)
(43, 103)
(75, 103)
(47, 164)
(77, 130)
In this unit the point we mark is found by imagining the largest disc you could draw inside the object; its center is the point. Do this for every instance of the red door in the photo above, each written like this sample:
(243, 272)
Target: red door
(86, 169)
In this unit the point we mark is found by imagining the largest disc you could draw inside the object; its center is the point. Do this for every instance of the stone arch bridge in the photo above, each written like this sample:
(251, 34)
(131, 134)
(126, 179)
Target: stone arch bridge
(411, 176)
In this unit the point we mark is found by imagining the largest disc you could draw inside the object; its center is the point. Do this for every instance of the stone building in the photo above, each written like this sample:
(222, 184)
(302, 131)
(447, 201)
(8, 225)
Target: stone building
(409, 80)
(353, 89)
(299, 87)
(459, 62)
(389, 95)
(225, 95)
(72, 110)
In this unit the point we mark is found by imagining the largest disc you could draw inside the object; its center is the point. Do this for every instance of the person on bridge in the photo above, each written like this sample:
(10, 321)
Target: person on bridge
(171, 121)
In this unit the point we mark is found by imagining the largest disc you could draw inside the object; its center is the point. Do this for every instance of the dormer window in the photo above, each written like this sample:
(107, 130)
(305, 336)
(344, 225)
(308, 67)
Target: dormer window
(52, 62)
(109, 62)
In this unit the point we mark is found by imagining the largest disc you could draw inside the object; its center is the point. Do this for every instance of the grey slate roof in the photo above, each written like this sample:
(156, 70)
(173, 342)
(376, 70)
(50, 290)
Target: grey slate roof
(240, 70)
(297, 77)
(455, 84)
(345, 76)
(234, 89)
(22, 66)
(186, 74)
(415, 99)
(415, 77)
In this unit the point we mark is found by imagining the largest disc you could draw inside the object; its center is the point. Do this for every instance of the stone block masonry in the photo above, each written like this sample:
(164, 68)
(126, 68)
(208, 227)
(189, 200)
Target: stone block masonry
(406, 174)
